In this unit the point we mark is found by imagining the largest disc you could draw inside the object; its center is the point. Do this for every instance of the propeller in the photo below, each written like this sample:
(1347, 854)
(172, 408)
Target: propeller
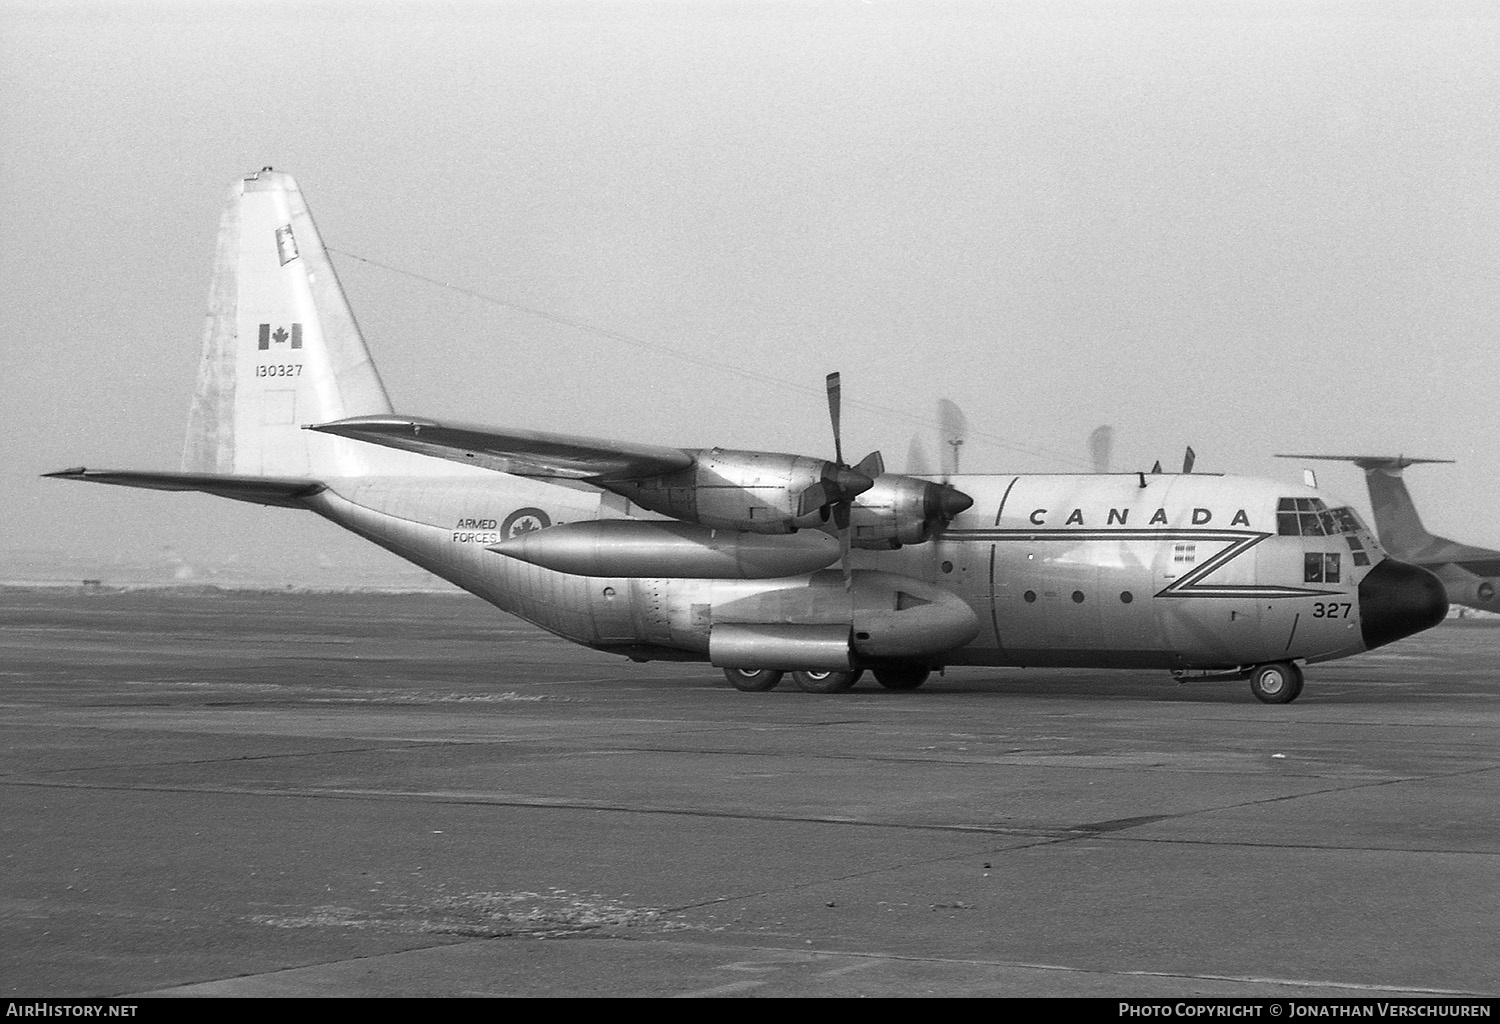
(1101, 447)
(841, 483)
(953, 429)
(943, 502)
(916, 459)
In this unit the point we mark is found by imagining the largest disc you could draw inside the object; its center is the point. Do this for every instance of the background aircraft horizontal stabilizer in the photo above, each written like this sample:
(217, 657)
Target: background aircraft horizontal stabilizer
(1369, 461)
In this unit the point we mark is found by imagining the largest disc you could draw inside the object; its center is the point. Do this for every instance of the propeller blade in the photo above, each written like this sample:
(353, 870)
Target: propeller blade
(812, 499)
(916, 459)
(839, 485)
(1188, 459)
(871, 465)
(834, 402)
(841, 520)
(1101, 447)
(953, 427)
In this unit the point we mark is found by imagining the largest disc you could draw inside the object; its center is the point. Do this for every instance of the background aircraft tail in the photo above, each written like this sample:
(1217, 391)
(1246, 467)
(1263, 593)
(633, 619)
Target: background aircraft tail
(1396, 520)
(280, 347)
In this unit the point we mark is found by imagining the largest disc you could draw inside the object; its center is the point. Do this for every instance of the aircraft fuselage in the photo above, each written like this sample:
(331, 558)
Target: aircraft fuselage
(1177, 572)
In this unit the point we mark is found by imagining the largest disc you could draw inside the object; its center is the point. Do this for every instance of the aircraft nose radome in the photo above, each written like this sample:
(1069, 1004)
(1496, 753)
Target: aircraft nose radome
(1397, 600)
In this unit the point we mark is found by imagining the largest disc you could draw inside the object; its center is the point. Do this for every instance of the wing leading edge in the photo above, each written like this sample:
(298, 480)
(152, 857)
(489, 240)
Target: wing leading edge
(517, 452)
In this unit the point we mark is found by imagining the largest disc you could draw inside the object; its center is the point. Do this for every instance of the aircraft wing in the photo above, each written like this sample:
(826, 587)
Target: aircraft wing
(286, 492)
(518, 452)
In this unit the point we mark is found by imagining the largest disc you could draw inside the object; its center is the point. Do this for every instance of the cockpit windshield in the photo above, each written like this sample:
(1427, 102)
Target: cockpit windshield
(1310, 517)
(1301, 517)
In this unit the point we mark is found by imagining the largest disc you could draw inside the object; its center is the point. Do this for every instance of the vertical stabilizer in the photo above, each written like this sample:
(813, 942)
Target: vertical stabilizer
(280, 346)
(1396, 520)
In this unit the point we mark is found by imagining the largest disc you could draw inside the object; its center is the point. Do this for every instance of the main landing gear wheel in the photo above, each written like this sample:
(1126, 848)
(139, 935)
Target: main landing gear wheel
(752, 680)
(1277, 683)
(825, 682)
(902, 677)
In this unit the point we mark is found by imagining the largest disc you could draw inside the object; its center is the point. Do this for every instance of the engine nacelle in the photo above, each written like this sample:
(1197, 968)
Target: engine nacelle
(764, 492)
(755, 491)
(1466, 588)
(901, 510)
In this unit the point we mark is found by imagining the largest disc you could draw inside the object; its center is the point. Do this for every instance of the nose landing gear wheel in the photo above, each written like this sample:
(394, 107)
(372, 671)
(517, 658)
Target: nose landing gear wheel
(825, 682)
(1276, 683)
(752, 680)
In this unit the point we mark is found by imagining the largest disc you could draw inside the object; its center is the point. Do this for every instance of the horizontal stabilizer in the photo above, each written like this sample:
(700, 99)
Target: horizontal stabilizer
(286, 492)
(518, 452)
(1368, 462)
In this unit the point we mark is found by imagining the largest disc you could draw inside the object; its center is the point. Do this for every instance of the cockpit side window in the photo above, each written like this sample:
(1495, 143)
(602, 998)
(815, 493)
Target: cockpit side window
(1318, 567)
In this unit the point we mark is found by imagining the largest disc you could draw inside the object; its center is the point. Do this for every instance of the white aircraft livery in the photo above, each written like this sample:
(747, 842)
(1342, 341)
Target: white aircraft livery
(760, 563)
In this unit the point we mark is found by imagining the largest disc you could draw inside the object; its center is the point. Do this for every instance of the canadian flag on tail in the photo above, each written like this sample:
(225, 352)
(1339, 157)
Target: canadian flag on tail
(279, 336)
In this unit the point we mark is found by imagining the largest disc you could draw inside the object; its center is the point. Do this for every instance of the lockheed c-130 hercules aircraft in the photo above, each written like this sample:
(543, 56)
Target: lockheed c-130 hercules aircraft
(755, 562)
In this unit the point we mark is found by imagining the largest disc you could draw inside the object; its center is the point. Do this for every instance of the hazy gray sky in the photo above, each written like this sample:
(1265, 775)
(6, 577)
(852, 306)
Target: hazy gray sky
(1249, 227)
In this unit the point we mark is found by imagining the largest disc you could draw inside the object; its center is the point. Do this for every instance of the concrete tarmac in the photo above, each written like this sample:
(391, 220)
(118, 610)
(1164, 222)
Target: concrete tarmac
(242, 794)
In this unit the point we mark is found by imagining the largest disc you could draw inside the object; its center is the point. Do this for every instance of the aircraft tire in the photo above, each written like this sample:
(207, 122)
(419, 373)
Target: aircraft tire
(825, 682)
(902, 677)
(753, 680)
(1277, 682)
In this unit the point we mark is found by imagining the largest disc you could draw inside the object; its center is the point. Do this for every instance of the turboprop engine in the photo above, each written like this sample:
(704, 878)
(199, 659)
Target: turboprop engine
(766, 492)
(899, 510)
(1465, 587)
(762, 492)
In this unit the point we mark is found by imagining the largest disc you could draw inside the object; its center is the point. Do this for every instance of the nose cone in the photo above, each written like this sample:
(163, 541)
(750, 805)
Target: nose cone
(850, 482)
(943, 502)
(1397, 600)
